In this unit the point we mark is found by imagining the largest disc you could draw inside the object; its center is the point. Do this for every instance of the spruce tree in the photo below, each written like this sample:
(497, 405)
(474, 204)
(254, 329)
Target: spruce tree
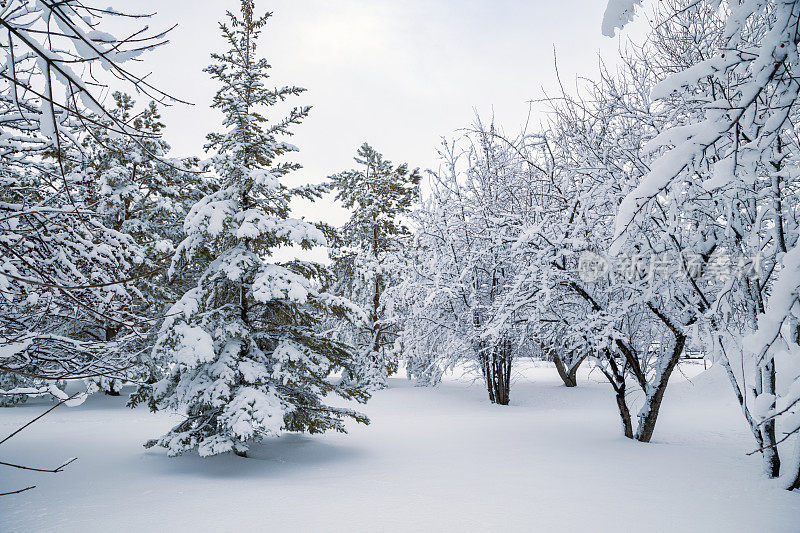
(142, 194)
(372, 249)
(64, 274)
(247, 361)
(68, 276)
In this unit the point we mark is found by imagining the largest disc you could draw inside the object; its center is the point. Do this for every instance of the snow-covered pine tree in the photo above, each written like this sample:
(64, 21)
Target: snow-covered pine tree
(141, 193)
(373, 247)
(247, 361)
(62, 270)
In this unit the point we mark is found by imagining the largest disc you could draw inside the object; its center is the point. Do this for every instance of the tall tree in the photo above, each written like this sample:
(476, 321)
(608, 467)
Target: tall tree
(373, 246)
(141, 193)
(466, 227)
(247, 360)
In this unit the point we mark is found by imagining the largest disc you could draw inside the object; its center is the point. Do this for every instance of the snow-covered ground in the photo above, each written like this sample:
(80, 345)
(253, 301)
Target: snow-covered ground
(432, 459)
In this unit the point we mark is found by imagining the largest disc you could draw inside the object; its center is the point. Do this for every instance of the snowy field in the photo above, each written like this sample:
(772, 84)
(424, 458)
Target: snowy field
(432, 459)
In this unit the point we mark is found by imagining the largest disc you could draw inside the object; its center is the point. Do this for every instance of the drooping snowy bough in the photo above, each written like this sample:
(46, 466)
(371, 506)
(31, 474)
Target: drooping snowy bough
(69, 277)
(66, 275)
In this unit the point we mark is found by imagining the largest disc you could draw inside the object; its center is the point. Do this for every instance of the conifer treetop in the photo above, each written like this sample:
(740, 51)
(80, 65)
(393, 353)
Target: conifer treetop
(378, 193)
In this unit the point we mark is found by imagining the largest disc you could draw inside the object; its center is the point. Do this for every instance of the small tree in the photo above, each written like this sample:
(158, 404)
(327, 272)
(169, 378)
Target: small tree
(373, 246)
(465, 231)
(247, 360)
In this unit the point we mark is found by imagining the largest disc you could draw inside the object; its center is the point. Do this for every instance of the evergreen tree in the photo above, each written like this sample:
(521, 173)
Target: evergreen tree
(63, 271)
(247, 361)
(373, 247)
(67, 275)
(144, 195)
(140, 198)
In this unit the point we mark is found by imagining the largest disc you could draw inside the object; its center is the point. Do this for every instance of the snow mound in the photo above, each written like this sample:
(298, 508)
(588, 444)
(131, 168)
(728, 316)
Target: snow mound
(709, 384)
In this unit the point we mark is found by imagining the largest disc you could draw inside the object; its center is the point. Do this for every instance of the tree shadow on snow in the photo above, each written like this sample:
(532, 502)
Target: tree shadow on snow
(273, 457)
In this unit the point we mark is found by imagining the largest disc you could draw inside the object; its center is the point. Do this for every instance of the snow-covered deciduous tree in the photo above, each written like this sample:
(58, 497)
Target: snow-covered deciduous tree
(465, 229)
(247, 360)
(634, 314)
(623, 323)
(372, 250)
(741, 150)
(63, 271)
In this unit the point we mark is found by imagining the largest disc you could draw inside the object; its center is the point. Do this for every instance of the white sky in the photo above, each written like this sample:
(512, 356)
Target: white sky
(399, 74)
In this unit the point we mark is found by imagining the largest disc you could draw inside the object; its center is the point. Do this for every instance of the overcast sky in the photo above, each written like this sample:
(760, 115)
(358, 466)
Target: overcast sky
(399, 74)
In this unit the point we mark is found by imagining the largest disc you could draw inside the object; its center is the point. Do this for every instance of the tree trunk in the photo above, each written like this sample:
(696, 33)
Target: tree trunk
(770, 457)
(563, 373)
(649, 412)
(240, 453)
(616, 378)
(111, 331)
(567, 375)
(624, 413)
(496, 366)
(794, 484)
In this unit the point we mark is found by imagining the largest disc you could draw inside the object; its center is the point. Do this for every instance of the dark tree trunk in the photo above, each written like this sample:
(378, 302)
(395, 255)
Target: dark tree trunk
(795, 484)
(616, 377)
(496, 366)
(563, 373)
(111, 331)
(567, 375)
(624, 413)
(649, 413)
